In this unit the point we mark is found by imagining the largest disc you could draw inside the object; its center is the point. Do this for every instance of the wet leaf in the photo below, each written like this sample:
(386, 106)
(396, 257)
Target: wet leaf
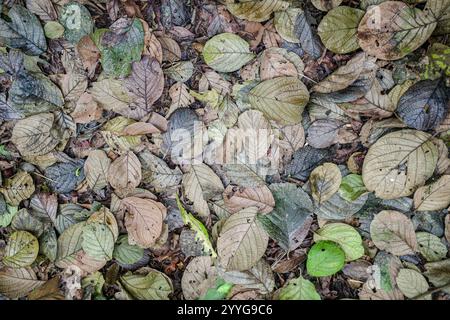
(65, 177)
(23, 32)
(77, 21)
(424, 105)
(305, 160)
(290, 220)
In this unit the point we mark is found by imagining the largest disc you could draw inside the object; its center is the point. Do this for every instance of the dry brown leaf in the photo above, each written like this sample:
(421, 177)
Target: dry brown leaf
(125, 172)
(86, 109)
(238, 198)
(143, 220)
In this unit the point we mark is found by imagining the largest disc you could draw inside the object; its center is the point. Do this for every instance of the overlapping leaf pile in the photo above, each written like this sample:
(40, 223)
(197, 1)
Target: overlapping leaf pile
(353, 97)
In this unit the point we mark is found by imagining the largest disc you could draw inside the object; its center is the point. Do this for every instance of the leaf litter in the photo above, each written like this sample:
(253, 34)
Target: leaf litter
(291, 150)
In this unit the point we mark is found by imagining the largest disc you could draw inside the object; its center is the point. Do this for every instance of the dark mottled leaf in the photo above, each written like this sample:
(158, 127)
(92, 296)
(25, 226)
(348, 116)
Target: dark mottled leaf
(424, 105)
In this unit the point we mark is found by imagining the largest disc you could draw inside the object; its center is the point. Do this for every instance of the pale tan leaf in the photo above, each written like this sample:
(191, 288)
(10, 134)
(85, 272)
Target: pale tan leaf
(33, 136)
(238, 198)
(433, 197)
(256, 10)
(179, 94)
(242, 241)
(16, 283)
(200, 275)
(200, 185)
(86, 109)
(143, 220)
(96, 168)
(125, 172)
(394, 232)
(398, 163)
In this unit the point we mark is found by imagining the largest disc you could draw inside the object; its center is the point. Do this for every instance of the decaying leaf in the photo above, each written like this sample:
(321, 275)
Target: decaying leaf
(394, 232)
(392, 29)
(408, 160)
(143, 220)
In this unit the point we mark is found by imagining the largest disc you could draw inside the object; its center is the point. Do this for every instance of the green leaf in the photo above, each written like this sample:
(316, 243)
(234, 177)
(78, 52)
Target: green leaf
(21, 250)
(219, 292)
(298, 289)
(431, 247)
(23, 32)
(411, 283)
(227, 52)
(53, 30)
(125, 253)
(256, 10)
(77, 21)
(154, 285)
(352, 187)
(280, 99)
(338, 29)
(98, 241)
(180, 71)
(7, 216)
(119, 48)
(201, 233)
(325, 258)
(346, 236)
